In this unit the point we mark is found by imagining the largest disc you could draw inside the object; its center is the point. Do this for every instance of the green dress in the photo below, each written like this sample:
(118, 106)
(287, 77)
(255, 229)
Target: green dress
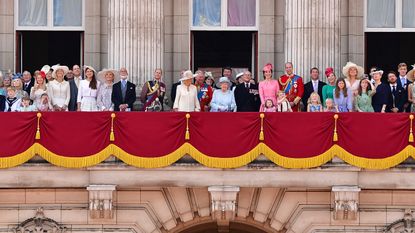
(364, 102)
(327, 93)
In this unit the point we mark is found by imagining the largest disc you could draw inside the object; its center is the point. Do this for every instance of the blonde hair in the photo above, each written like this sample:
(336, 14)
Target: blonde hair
(311, 96)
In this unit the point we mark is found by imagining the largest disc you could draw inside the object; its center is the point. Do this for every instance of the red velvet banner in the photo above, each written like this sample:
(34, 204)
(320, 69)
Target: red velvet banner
(225, 140)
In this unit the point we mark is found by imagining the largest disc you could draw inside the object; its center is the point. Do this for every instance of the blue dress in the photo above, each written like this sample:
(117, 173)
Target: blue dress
(344, 104)
(223, 101)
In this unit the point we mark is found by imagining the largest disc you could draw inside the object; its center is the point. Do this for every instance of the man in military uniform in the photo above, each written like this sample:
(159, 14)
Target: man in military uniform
(204, 91)
(293, 87)
(247, 94)
(152, 94)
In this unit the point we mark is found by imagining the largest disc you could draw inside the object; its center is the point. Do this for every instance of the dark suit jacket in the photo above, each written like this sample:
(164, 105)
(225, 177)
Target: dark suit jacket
(73, 105)
(409, 104)
(29, 87)
(247, 100)
(2, 103)
(398, 100)
(173, 92)
(308, 89)
(130, 96)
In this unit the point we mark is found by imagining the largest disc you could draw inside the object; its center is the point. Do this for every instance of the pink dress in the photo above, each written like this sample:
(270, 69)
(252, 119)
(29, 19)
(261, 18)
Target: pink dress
(268, 90)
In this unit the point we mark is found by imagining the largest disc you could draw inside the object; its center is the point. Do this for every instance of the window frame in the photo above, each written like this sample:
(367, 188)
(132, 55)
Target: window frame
(224, 20)
(398, 20)
(49, 25)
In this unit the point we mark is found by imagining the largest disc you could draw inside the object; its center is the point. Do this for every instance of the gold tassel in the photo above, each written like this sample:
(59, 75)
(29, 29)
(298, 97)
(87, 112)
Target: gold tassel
(187, 136)
(39, 115)
(261, 134)
(112, 136)
(411, 133)
(335, 136)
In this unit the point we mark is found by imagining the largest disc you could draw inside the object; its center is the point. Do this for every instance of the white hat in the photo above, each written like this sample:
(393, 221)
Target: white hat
(91, 68)
(411, 74)
(376, 71)
(55, 68)
(223, 80)
(239, 75)
(103, 73)
(360, 70)
(187, 75)
(45, 69)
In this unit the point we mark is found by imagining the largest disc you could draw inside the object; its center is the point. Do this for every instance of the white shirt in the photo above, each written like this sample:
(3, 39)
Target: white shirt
(394, 85)
(186, 99)
(315, 85)
(59, 93)
(85, 91)
(77, 80)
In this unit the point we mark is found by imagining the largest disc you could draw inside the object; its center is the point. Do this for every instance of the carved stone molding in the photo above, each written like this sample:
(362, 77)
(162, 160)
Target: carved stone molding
(223, 203)
(39, 224)
(405, 225)
(346, 202)
(100, 201)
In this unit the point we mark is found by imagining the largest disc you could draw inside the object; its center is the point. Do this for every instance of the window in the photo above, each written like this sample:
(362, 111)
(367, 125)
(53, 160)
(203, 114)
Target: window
(389, 15)
(224, 14)
(49, 15)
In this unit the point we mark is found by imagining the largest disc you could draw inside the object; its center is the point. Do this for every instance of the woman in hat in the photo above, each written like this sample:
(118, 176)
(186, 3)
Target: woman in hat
(17, 83)
(223, 99)
(210, 80)
(107, 78)
(353, 74)
(380, 99)
(88, 91)
(186, 95)
(268, 89)
(327, 92)
(39, 88)
(58, 89)
(7, 82)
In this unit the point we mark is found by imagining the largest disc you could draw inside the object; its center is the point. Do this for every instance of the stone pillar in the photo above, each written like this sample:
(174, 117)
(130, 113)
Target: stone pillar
(346, 202)
(92, 36)
(7, 36)
(135, 35)
(312, 35)
(100, 201)
(223, 201)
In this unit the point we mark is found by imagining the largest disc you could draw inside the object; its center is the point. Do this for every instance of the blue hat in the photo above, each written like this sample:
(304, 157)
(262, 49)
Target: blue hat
(17, 76)
(223, 80)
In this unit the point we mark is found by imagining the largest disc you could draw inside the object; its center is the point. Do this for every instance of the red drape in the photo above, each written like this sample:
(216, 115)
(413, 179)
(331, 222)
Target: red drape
(17, 133)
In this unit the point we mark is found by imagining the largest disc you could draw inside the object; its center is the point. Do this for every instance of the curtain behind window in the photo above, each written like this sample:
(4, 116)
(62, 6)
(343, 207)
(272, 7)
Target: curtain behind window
(381, 13)
(67, 13)
(241, 12)
(33, 12)
(408, 16)
(206, 12)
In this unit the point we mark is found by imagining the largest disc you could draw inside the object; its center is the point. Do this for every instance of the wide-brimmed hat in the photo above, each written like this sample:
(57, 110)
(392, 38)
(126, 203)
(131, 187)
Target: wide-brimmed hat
(411, 74)
(223, 80)
(187, 75)
(209, 74)
(91, 68)
(377, 71)
(238, 76)
(45, 69)
(55, 68)
(101, 75)
(360, 70)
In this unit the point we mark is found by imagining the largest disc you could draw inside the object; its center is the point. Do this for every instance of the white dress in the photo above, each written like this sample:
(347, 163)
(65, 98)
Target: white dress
(186, 99)
(59, 93)
(36, 96)
(87, 96)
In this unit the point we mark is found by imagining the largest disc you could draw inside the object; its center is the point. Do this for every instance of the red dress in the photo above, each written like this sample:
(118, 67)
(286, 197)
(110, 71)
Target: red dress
(293, 87)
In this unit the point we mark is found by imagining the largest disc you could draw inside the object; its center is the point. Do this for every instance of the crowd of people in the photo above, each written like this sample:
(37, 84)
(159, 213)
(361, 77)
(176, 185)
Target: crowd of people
(59, 88)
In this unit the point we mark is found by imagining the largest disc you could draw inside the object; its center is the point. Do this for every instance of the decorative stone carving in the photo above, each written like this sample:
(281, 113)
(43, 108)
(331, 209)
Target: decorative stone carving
(223, 201)
(39, 224)
(405, 225)
(346, 202)
(100, 201)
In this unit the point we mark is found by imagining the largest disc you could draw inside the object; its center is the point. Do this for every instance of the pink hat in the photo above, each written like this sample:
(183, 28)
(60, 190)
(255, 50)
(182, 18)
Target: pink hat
(267, 67)
(329, 71)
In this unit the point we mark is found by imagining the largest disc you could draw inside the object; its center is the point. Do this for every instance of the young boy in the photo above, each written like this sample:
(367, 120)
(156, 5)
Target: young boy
(12, 102)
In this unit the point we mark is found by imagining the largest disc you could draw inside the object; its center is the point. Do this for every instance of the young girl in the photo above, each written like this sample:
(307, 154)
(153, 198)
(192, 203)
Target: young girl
(44, 105)
(343, 97)
(12, 102)
(26, 106)
(269, 106)
(283, 105)
(330, 106)
(365, 92)
(314, 103)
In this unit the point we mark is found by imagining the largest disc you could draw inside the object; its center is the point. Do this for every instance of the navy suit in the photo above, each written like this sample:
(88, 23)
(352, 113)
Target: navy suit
(308, 89)
(117, 98)
(2, 103)
(396, 99)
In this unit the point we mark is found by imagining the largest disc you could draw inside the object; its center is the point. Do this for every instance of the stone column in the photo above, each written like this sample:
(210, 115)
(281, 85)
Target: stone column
(7, 36)
(135, 37)
(312, 35)
(346, 202)
(223, 201)
(101, 201)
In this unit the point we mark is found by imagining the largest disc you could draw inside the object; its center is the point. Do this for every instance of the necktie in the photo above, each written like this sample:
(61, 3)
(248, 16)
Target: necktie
(246, 85)
(393, 89)
(123, 88)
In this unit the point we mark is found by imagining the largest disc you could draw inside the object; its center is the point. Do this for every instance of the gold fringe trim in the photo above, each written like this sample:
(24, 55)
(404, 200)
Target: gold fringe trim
(224, 163)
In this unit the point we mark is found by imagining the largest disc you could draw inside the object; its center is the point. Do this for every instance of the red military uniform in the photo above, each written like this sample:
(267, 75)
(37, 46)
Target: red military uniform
(293, 87)
(204, 94)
